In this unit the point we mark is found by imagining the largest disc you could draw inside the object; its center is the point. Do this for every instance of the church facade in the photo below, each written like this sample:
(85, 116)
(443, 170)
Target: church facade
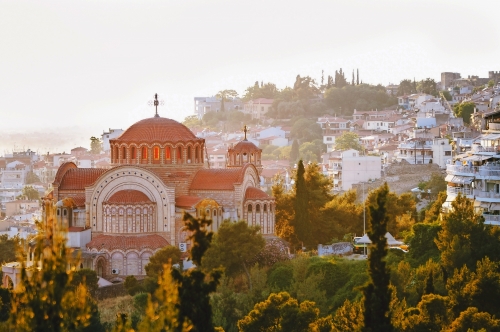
(121, 216)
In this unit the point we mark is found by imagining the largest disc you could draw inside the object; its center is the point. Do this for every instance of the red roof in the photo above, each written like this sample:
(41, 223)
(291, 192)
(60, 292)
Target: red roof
(79, 178)
(124, 243)
(187, 201)
(245, 146)
(156, 129)
(217, 179)
(129, 196)
(79, 200)
(254, 193)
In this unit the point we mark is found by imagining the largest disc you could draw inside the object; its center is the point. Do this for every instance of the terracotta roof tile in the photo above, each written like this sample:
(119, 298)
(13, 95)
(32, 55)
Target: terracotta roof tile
(156, 129)
(79, 178)
(255, 193)
(75, 229)
(217, 179)
(79, 200)
(245, 146)
(187, 201)
(129, 196)
(138, 242)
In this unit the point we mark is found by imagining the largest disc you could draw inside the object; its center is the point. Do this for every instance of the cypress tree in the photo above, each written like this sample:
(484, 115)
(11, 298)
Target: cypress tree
(377, 296)
(301, 224)
(352, 83)
(357, 76)
(294, 153)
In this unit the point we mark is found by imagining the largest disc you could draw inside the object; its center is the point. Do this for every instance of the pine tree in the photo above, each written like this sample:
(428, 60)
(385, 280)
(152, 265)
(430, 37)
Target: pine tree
(377, 295)
(352, 83)
(301, 222)
(357, 76)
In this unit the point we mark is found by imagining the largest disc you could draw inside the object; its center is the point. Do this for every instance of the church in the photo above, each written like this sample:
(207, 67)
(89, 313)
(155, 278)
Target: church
(121, 216)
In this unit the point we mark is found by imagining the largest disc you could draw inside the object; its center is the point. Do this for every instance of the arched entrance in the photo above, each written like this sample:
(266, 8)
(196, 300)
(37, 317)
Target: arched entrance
(7, 282)
(100, 267)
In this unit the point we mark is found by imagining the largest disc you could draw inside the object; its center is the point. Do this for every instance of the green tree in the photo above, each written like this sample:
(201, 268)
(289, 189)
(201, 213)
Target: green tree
(446, 95)
(168, 255)
(301, 222)
(30, 193)
(192, 121)
(305, 88)
(491, 83)
(280, 312)
(284, 211)
(427, 86)
(348, 140)
(305, 130)
(294, 154)
(464, 110)
(45, 299)
(86, 277)
(422, 244)
(473, 320)
(377, 296)
(194, 286)
(405, 88)
(234, 247)
(341, 215)
(349, 317)
(95, 145)
(433, 211)
(8, 248)
(224, 95)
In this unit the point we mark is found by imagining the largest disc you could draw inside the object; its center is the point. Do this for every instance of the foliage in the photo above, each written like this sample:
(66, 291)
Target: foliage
(280, 312)
(377, 296)
(311, 151)
(446, 95)
(363, 97)
(342, 215)
(95, 145)
(168, 255)
(406, 87)
(491, 83)
(45, 299)
(294, 154)
(8, 248)
(274, 251)
(464, 239)
(284, 212)
(433, 211)
(193, 289)
(5, 299)
(132, 285)
(464, 110)
(256, 91)
(306, 130)
(234, 247)
(349, 317)
(224, 95)
(421, 242)
(30, 193)
(192, 121)
(301, 222)
(348, 140)
(473, 320)
(305, 88)
(86, 277)
(427, 86)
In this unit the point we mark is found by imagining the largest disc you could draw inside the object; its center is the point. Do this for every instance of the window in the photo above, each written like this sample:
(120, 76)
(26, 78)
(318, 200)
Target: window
(447, 153)
(265, 207)
(134, 153)
(189, 154)
(257, 208)
(167, 152)
(156, 153)
(179, 155)
(328, 139)
(144, 152)
(250, 208)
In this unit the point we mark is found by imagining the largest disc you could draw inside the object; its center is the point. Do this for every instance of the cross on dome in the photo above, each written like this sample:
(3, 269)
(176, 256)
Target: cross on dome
(155, 103)
(245, 130)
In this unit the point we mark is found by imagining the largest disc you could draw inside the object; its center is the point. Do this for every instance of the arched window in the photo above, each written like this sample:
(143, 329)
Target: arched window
(144, 152)
(197, 155)
(189, 155)
(215, 213)
(116, 153)
(124, 153)
(167, 152)
(265, 207)
(245, 157)
(134, 153)
(156, 153)
(179, 155)
(249, 207)
(257, 208)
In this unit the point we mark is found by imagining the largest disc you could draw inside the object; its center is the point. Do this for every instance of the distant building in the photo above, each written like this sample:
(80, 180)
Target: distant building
(107, 135)
(204, 105)
(258, 108)
(447, 79)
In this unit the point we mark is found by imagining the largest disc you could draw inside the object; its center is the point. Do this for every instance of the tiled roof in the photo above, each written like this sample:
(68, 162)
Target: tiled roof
(271, 172)
(187, 201)
(124, 243)
(129, 196)
(79, 200)
(254, 193)
(217, 179)
(79, 178)
(156, 129)
(75, 229)
(245, 146)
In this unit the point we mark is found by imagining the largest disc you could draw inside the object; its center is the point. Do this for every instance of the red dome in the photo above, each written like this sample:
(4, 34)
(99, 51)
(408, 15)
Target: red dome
(129, 196)
(156, 130)
(245, 146)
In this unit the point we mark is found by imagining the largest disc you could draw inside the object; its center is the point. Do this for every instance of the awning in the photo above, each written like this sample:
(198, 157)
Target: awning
(461, 179)
(449, 177)
(484, 205)
(495, 207)
(477, 158)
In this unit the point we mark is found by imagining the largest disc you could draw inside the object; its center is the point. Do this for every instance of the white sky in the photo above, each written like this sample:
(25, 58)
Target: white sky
(92, 65)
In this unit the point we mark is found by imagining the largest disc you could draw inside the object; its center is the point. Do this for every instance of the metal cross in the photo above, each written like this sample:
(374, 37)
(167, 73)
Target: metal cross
(155, 103)
(245, 130)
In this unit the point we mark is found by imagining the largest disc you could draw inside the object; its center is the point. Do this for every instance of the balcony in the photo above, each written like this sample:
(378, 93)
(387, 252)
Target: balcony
(487, 196)
(456, 190)
(462, 170)
(492, 219)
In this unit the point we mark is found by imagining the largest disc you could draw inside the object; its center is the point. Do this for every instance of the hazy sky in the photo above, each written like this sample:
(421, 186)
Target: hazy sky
(92, 65)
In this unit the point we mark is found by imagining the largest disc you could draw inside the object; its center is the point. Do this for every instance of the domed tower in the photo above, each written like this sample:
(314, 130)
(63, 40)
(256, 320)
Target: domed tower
(245, 152)
(157, 142)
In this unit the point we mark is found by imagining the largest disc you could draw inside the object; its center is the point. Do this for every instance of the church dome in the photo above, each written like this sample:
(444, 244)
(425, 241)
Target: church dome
(157, 129)
(245, 146)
